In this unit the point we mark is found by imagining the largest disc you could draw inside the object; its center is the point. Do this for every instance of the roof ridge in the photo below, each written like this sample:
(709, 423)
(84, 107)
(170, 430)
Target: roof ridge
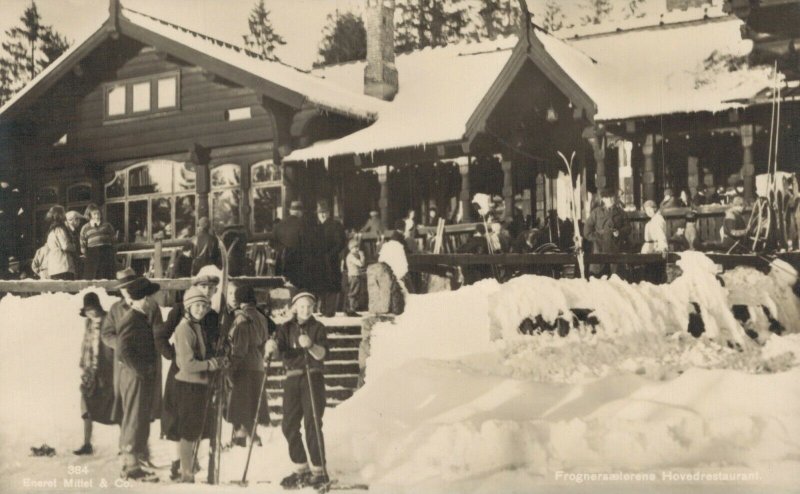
(217, 41)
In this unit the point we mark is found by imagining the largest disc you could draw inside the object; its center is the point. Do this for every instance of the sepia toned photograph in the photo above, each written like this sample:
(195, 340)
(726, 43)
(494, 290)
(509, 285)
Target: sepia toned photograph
(400, 246)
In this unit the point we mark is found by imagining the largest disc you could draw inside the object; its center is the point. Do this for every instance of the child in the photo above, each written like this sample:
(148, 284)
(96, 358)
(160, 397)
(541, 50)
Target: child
(302, 342)
(356, 276)
(97, 380)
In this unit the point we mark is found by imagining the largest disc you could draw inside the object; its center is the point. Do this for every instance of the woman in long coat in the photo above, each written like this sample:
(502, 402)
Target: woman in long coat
(97, 380)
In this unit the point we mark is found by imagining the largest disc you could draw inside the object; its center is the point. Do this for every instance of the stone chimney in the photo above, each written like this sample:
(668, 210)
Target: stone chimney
(380, 74)
(686, 4)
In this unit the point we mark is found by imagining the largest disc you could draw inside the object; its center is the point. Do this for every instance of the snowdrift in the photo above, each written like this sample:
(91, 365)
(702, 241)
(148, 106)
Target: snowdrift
(457, 398)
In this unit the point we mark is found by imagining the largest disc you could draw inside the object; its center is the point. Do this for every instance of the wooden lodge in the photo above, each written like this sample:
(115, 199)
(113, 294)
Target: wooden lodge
(162, 125)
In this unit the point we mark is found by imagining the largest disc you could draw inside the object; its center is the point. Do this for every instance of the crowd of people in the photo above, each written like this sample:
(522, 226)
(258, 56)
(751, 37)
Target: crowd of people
(213, 356)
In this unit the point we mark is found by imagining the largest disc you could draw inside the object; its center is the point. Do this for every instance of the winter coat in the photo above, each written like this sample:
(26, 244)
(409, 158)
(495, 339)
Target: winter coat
(97, 380)
(191, 355)
(39, 263)
(110, 334)
(655, 235)
(205, 251)
(599, 229)
(136, 347)
(294, 357)
(393, 253)
(248, 335)
(60, 252)
(289, 235)
(330, 240)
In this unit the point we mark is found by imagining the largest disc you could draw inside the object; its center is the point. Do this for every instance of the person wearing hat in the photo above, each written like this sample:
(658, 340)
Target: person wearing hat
(195, 362)
(97, 373)
(299, 342)
(373, 224)
(329, 243)
(607, 229)
(248, 335)
(205, 247)
(206, 283)
(288, 235)
(355, 262)
(139, 377)
(97, 246)
(110, 332)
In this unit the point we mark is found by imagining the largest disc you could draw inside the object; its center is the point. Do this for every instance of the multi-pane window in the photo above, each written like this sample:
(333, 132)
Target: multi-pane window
(142, 95)
(265, 195)
(152, 201)
(226, 196)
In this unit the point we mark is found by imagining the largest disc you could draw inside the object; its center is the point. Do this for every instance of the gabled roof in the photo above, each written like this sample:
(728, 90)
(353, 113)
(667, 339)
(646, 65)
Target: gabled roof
(273, 79)
(652, 69)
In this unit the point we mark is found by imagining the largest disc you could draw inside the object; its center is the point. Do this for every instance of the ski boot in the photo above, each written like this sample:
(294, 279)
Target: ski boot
(86, 449)
(296, 480)
(175, 469)
(319, 481)
(139, 474)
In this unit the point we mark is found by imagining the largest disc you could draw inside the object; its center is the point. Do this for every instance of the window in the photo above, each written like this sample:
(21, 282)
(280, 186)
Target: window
(143, 95)
(46, 196)
(226, 195)
(265, 195)
(167, 92)
(242, 113)
(115, 101)
(154, 200)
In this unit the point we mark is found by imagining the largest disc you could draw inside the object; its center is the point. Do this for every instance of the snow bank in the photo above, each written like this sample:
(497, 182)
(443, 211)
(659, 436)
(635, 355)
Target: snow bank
(455, 395)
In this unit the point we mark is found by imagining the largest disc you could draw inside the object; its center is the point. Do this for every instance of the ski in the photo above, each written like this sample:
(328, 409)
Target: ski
(574, 209)
(335, 485)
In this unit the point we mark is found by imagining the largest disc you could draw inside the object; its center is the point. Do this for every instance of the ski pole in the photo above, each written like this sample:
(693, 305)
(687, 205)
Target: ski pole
(316, 417)
(255, 422)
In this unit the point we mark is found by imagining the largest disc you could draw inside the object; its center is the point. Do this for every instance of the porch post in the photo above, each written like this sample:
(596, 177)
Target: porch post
(508, 188)
(463, 169)
(649, 175)
(201, 157)
(383, 202)
(693, 169)
(748, 168)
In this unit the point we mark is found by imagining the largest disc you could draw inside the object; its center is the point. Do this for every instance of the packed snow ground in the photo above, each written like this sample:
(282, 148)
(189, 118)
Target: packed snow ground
(457, 400)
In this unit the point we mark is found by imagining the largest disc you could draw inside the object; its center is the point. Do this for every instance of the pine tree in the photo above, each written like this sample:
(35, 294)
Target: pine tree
(344, 39)
(553, 16)
(498, 18)
(29, 49)
(423, 23)
(598, 11)
(262, 38)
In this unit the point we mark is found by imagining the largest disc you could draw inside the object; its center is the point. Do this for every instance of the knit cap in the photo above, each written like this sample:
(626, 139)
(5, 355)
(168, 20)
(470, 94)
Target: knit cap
(194, 295)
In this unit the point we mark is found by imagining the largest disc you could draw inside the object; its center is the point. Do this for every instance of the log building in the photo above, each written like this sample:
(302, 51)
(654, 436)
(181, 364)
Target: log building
(162, 125)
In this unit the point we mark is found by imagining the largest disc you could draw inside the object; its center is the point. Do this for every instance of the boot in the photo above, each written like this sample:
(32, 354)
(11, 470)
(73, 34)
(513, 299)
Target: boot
(318, 480)
(175, 470)
(296, 480)
(86, 449)
(139, 474)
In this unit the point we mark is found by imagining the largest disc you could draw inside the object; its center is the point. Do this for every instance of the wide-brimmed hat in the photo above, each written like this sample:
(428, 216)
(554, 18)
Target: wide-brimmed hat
(296, 206)
(303, 295)
(91, 302)
(125, 277)
(140, 288)
(322, 207)
(73, 214)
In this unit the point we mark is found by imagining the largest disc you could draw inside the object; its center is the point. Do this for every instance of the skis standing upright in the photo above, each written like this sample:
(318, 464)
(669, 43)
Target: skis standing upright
(215, 450)
(574, 210)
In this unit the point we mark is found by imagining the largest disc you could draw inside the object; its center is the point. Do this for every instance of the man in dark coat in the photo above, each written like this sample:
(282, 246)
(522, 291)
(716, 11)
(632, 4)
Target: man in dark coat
(289, 235)
(607, 229)
(332, 241)
(205, 247)
(110, 334)
(138, 377)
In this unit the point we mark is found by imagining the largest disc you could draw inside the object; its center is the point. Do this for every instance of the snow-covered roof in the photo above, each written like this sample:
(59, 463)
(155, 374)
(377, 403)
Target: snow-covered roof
(677, 63)
(316, 90)
(679, 68)
(439, 90)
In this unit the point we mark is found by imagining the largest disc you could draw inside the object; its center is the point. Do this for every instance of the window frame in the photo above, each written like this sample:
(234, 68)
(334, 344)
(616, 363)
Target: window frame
(154, 109)
(213, 189)
(265, 184)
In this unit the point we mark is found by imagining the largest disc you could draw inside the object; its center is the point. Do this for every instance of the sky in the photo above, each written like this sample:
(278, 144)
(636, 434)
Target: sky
(300, 22)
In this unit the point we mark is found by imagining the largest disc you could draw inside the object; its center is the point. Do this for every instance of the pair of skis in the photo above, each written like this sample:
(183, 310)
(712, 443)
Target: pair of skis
(575, 213)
